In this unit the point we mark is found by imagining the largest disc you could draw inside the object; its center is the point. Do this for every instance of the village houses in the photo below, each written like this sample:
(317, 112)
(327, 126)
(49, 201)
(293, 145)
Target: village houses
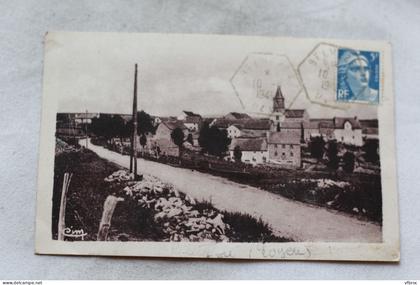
(276, 139)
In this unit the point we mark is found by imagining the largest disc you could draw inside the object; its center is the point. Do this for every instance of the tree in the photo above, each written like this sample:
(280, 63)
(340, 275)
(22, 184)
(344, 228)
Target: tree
(348, 159)
(190, 139)
(145, 123)
(316, 146)
(143, 141)
(203, 138)
(117, 125)
(213, 140)
(332, 154)
(237, 153)
(371, 148)
(177, 137)
(101, 126)
(109, 126)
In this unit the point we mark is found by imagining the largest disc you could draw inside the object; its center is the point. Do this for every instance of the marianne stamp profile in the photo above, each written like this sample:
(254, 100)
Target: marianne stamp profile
(358, 76)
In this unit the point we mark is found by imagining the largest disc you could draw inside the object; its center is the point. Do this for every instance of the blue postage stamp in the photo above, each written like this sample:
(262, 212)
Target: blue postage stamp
(358, 76)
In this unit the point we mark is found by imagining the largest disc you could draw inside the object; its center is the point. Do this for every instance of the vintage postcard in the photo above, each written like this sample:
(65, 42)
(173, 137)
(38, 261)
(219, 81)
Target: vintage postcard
(211, 146)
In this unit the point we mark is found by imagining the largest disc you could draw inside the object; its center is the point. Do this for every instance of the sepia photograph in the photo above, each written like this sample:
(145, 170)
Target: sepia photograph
(217, 147)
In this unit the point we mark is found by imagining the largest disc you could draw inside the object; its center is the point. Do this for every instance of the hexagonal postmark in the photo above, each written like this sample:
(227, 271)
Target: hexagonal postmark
(257, 78)
(318, 72)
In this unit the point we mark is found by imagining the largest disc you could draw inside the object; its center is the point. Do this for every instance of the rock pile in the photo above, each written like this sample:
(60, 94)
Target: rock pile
(178, 214)
(119, 176)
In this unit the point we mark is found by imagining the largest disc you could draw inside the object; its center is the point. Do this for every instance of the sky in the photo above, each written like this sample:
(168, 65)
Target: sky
(95, 72)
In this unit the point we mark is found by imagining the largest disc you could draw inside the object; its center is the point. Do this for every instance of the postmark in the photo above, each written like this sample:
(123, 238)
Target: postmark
(257, 78)
(318, 72)
(333, 75)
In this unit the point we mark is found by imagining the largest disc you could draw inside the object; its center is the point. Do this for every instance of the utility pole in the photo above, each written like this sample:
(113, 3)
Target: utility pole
(133, 157)
(86, 133)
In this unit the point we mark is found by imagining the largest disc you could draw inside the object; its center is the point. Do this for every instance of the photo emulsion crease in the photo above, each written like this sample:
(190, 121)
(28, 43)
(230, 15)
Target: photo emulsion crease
(217, 147)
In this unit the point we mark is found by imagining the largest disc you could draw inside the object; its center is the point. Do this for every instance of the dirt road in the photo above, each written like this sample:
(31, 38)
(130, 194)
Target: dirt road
(287, 218)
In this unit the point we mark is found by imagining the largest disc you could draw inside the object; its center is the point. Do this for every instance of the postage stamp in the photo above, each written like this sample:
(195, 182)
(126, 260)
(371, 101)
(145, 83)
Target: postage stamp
(204, 146)
(358, 76)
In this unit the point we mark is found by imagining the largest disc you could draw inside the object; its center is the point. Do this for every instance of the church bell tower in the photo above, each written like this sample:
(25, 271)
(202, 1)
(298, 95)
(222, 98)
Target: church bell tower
(278, 101)
(277, 116)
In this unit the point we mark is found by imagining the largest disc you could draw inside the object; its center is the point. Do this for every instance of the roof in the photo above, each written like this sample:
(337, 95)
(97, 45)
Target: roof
(339, 122)
(284, 137)
(86, 115)
(191, 114)
(321, 123)
(252, 133)
(279, 94)
(290, 125)
(249, 144)
(193, 120)
(224, 123)
(373, 123)
(294, 113)
(311, 124)
(370, 131)
(257, 124)
(250, 124)
(174, 124)
(238, 116)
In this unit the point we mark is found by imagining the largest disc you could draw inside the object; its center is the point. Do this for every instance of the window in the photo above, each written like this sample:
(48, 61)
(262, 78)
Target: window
(275, 153)
(283, 146)
(291, 146)
(291, 154)
(277, 117)
(275, 145)
(342, 138)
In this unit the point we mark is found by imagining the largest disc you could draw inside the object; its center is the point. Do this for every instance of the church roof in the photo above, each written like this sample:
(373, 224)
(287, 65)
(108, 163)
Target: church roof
(294, 113)
(290, 125)
(279, 94)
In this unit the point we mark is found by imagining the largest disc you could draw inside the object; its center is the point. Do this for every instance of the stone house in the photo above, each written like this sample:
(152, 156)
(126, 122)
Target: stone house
(162, 137)
(284, 148)
(254, 150)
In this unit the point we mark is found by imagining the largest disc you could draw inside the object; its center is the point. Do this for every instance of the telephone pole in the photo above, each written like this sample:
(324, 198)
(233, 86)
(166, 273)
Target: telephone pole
(86, 129)
(133, 156)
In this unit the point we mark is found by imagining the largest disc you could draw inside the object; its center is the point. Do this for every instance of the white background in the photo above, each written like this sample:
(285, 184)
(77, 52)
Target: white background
(22, 27)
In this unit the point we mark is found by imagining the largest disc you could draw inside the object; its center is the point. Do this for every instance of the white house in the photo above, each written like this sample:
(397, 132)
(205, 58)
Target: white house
(348, 131)
(254, 150)
(234, 131)
(191, 120)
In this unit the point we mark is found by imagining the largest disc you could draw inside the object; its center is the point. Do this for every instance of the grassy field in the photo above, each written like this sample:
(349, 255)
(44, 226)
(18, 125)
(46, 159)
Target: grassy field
(88, 191)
